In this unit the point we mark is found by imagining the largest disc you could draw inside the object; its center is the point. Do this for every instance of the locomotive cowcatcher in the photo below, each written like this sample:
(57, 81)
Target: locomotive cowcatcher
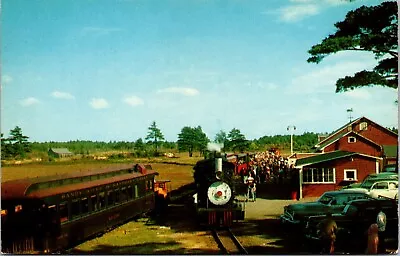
(216, 183)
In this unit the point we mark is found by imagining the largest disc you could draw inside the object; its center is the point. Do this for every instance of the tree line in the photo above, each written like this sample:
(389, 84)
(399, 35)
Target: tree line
(190, 139)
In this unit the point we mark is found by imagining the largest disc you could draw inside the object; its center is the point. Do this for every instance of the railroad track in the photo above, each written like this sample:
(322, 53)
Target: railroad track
(227, 242)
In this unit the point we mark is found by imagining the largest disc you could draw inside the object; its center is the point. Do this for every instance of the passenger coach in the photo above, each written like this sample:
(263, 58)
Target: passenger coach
(52, 213)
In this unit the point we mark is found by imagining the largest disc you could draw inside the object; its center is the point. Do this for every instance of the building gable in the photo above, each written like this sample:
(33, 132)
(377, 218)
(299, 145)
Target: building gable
(365, 127)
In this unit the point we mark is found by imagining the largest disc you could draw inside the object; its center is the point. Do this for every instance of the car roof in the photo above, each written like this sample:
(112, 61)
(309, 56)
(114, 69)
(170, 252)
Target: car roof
(346, 191)
(383, 174)
(374, 201)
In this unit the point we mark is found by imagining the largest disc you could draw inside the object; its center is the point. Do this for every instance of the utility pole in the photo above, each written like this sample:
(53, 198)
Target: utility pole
(350, 110)
(292, 128)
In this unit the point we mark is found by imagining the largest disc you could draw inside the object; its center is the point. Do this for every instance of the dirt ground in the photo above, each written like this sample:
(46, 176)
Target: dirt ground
(178, 233)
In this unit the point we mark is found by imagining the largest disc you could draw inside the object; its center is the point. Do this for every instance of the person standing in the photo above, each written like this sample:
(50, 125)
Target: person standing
(373, 239)
(327, 233)
(251, 187)
(381, 223)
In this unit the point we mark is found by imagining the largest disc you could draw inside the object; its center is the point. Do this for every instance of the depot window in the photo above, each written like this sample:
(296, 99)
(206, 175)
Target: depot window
(318, 175)
(350, 175)
(363, 126)
(351, 139)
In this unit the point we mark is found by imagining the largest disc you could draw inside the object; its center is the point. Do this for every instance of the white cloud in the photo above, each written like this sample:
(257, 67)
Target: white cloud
(297, 12)
(62, 95)
(6, 79)
(180, 90)
(133, 101)
(99, 103)
(29, 101)
(300, 9)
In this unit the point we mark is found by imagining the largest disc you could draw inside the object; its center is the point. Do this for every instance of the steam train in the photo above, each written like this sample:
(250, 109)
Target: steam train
(48, 214)
(216, 182)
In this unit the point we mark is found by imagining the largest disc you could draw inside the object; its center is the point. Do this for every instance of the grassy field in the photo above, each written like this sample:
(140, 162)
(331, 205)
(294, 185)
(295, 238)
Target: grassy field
(179, 170)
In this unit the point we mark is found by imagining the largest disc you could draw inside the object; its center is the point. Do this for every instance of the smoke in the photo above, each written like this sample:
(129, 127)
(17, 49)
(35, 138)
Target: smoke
(215, 146)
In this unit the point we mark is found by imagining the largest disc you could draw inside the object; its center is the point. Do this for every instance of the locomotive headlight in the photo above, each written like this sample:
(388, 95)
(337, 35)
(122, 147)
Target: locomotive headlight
(219, 193)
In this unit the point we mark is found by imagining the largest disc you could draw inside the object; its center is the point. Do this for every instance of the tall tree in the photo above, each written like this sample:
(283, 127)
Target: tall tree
(368, 28)
(18, 143)
(237, 141)
(191, 139)
(202, 140)
(154, 135)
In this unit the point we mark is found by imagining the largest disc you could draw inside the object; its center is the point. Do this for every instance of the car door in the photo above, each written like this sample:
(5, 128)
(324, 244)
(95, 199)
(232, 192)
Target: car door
(380, 188)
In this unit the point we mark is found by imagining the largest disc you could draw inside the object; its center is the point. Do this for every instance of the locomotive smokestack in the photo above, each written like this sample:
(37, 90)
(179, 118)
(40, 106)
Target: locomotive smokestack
(218, 165)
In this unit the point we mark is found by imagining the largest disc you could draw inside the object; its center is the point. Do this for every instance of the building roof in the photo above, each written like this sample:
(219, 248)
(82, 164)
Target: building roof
(61, 150)
(327, 157)
(302, 155)
(390, 150)
(338, 133)
(339, 136)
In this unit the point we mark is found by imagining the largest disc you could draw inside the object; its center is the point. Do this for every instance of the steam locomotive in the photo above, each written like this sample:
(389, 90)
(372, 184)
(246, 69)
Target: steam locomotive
(216, 182)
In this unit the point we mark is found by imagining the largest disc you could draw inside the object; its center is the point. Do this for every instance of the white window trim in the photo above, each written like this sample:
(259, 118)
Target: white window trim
(351, 137)
(363, 126)
(345, 174)
(319, 182)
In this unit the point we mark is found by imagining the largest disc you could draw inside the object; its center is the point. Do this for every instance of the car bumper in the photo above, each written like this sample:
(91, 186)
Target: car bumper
(286, 220)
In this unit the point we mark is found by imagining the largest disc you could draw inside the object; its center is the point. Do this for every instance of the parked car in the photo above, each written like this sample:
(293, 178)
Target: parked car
(295, 215)
(379, 188)
(353, 223)
(375, 177)
(391, 168)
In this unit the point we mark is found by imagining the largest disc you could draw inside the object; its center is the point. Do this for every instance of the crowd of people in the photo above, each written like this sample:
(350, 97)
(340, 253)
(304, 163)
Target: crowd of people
(268, 167)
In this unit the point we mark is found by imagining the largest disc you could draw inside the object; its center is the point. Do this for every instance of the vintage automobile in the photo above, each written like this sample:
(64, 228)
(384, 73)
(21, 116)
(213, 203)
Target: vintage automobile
(353, 222)
(375, 177)
(379, 188)
(393, 168)
(295, 215)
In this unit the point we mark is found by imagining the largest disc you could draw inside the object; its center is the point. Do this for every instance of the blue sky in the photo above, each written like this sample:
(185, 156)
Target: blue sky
(105, 69)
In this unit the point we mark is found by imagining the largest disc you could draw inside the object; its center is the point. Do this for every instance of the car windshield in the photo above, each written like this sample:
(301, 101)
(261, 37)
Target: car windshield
(367, 184)
(325, 199)
(349, 210)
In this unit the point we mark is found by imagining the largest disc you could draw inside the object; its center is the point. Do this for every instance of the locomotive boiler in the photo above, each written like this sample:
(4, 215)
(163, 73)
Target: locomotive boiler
(217, 204)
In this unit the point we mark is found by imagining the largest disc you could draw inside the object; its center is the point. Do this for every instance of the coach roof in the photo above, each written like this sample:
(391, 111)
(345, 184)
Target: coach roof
(22, 187)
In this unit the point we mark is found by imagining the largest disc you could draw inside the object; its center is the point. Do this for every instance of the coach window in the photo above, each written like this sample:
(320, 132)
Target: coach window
(93, 203)
(63, 211)
(84, 205)
(136, 191)
(124, 195)
(117, 196)
(102, 200)
(110, 198)
(75, 208)
(129, 192)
